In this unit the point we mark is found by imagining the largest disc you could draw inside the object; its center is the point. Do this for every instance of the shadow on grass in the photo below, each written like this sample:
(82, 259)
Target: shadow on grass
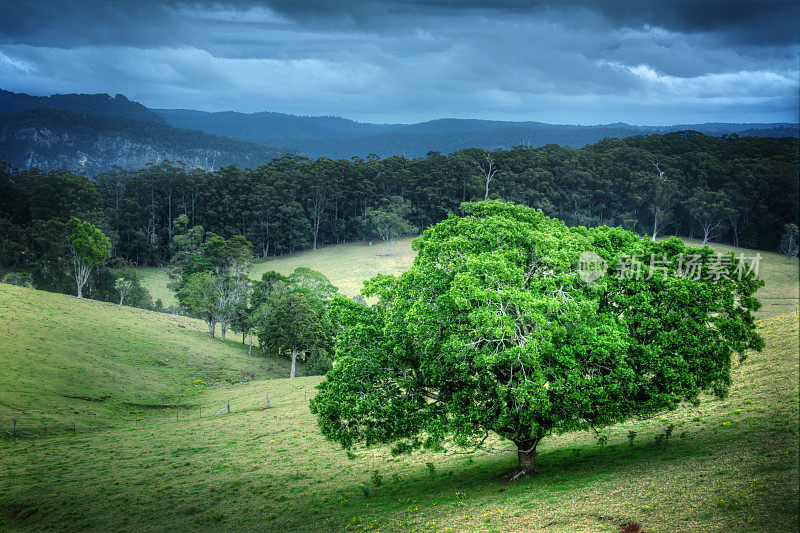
(757, 447)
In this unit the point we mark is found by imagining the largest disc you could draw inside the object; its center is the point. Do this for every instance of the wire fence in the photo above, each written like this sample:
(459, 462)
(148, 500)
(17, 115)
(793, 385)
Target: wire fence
(22, 427)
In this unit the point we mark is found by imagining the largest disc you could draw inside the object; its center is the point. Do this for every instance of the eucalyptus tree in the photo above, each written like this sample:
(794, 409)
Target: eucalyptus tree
(493, 331)
(710, 209)
(790, 242)
(89, 248)
(391, 221)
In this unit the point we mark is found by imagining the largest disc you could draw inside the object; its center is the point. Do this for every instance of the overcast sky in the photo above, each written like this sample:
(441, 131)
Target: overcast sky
(596, 62)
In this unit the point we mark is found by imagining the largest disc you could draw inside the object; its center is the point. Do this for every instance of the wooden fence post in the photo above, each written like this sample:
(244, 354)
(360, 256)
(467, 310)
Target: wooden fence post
(229, 406)
(267, 401)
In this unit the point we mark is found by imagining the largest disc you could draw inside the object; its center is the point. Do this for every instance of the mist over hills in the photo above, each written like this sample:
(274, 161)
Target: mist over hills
(90, 133)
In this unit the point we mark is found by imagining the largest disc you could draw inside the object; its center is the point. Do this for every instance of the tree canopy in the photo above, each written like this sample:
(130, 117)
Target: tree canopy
(90, 247)
(492, 330)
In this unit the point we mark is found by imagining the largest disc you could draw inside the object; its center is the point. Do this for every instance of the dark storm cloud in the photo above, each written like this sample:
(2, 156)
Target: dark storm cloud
(644, 62)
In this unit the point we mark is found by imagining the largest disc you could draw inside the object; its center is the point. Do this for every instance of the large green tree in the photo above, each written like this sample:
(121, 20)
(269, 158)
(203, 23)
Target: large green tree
(288, 324)
(492, 330)
(89, 248)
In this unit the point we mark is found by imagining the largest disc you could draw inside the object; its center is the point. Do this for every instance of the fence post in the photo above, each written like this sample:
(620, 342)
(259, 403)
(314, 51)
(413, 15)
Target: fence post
(229, 406)
(267, 401)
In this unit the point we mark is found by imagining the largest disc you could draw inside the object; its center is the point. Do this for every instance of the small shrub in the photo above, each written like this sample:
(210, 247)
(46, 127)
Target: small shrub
(431, 469)
(21, 279)
(377, 480)
(631, 436)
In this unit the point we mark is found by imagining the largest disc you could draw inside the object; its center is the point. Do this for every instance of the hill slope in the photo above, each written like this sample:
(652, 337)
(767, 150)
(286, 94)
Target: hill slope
(69, 361)
(730, 466)
(53, 139)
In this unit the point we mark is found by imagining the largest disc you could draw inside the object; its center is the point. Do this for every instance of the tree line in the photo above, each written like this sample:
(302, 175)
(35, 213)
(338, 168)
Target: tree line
(739, 190)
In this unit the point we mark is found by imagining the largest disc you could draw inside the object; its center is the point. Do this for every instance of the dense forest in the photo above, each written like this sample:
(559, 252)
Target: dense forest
(740, 190)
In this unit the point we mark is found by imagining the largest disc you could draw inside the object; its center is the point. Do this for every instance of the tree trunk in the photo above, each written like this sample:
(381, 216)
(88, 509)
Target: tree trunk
(526, 458)
(294, 361)
(224, 328)
(250, 351)
(655, 226)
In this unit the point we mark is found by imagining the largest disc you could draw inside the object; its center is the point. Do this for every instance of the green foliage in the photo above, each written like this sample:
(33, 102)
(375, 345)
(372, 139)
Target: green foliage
(217, 299)
(283, 308)
(491, 330)
(89, 244)
(288, 325)
(391, 221)
(21, 279)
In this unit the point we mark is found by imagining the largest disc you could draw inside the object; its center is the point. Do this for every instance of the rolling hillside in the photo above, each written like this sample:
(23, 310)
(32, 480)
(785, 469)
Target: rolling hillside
(76, 361)
(731, 465)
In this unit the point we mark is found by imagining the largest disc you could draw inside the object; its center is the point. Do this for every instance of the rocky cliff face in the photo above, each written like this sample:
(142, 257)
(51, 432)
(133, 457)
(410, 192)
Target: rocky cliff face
(90, 144)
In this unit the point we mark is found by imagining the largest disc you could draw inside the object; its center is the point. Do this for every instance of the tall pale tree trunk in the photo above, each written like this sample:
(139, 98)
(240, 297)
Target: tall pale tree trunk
(294, 362)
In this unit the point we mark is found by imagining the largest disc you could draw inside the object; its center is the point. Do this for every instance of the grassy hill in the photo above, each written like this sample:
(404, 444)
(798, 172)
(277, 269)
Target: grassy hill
(731, 465)
(346, 265)
(76, 361)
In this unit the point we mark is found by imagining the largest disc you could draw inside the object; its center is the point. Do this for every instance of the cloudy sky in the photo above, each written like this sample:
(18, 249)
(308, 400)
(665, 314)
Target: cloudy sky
(641, 62)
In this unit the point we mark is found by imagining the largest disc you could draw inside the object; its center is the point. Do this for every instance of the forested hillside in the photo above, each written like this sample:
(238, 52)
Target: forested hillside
(57, 139)
(337, 138)
(95, 104)
(736, 190)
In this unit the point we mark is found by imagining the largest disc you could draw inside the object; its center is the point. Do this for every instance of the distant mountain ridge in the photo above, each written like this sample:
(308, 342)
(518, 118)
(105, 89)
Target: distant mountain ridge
(338, 138)
(59, 139)
(189, 133)
(95, 104)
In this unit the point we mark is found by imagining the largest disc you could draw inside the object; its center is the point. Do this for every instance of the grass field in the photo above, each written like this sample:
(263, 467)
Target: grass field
(731, 465)
(57, 349)
(346, 265)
